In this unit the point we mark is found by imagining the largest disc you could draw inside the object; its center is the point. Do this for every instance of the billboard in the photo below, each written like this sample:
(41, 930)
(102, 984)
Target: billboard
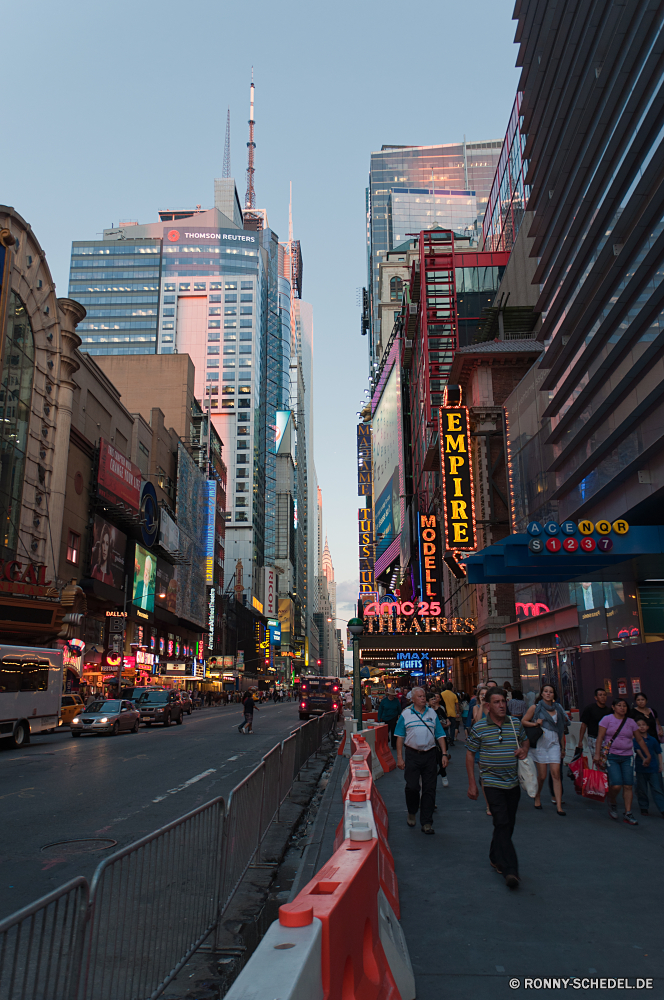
(210, 505)
(118, 479)
(145, 578)
(166, 587)
(107, 558)
(282, 432)
(191, 516)
(386, 464)
(169, 534)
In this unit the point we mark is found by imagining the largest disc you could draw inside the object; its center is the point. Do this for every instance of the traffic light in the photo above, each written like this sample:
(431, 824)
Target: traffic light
(319, 663)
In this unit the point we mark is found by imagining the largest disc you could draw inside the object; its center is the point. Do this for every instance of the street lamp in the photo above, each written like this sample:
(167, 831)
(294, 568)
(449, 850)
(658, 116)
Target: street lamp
(356, 628)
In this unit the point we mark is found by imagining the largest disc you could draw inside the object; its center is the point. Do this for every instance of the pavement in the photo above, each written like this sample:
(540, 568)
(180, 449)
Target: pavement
(106, 792)
(589, 904)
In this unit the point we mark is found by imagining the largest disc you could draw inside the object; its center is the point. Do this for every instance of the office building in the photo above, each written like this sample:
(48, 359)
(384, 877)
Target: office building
(412, 188)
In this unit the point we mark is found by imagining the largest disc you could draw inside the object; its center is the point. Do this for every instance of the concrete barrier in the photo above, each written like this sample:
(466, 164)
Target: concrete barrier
(287, 964)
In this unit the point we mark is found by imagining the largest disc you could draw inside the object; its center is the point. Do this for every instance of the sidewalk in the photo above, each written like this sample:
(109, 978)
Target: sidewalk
(589, 903)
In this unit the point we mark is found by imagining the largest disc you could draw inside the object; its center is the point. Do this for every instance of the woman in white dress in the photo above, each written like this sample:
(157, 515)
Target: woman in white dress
(550, 748)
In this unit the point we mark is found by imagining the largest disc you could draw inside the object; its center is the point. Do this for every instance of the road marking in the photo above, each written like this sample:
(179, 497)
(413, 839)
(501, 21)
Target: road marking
(233, 758)
(192, 781)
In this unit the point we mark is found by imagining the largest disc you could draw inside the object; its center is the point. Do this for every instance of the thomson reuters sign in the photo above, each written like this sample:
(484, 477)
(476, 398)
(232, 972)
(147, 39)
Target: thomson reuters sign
(210, 236)
(173, 235)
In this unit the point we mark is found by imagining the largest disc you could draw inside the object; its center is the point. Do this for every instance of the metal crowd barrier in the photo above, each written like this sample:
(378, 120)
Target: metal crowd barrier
(152, 904)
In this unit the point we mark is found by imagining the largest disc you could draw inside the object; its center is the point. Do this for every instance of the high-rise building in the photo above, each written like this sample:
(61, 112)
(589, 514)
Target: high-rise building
(412, 188)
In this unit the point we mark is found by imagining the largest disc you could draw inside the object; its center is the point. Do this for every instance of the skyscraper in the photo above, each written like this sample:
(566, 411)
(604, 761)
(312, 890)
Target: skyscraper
(418, 187)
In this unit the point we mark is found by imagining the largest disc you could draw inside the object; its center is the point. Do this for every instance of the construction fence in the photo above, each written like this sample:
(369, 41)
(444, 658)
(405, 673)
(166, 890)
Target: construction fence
(151, 905)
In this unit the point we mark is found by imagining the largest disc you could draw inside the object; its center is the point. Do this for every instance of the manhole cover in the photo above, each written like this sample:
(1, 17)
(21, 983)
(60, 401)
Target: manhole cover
(83, 846)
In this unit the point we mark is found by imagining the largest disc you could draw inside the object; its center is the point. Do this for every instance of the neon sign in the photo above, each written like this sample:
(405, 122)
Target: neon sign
(431, 564)
(456, 467)
(531, 609)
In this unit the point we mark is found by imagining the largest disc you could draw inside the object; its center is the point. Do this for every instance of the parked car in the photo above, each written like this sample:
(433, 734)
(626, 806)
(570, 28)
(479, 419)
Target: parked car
(134, 694)
(160, 706)
(71, 705)
(185, 700)
(109, 717)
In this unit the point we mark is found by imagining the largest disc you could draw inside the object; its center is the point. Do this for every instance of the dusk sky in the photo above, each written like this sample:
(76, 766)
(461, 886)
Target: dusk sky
(124, 112)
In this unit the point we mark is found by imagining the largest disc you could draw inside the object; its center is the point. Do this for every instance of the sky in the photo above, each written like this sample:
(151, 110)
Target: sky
(118, 110)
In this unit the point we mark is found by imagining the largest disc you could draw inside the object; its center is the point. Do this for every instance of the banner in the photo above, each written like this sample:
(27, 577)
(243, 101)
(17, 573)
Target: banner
(107, 559)
(118, 479)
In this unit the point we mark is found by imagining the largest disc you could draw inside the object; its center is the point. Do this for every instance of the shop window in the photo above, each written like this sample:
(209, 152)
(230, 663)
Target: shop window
(15, 397)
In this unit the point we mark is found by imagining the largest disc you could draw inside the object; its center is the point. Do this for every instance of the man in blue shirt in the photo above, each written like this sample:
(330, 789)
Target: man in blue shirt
(649, 775)
(419, 729)
(389, 711)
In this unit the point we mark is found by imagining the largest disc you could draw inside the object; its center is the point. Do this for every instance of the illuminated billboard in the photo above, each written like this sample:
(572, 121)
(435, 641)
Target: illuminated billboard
(118, 479)
(145, 578)
(387, 467)
(108, 553)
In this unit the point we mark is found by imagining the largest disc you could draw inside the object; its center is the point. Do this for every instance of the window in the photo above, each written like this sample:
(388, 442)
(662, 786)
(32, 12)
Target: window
(213, 336)
(212, 363)
(228, 390)
(244, 404)
(245, 348)
(246, 310)
(243, 430)
(169, 300)
(230, 298)
(245, 363)
(169, 288)
(231, 285)
(213, 350)
(215, 402)
(246, 284)
(228, 363)
(167, 338)
(228, 404)
(168, 312)
(245, 389)
(212, 377)
(185, 286)
(229, 350)
(73, 548)
(168, 325)
(244, 416)
(240, 501)
(214, 298)
(215, 286)
(229, 376)
(246, 322)
(230, 336)
(396, 289)
(15, 397)
(240, 516)
(214, 324)
(199, 286)
(229, 311)
(246, 298)
(245, 335)
(243, 445)
(214, 311)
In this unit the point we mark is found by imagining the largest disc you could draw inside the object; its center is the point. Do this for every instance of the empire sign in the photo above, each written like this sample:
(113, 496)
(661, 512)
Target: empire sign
(456, 468)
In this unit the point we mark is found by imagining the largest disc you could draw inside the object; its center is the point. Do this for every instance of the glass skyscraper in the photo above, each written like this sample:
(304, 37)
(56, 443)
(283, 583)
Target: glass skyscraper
(418, 187)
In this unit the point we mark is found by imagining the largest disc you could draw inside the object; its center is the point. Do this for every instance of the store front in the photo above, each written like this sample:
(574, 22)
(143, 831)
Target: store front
(422, 657)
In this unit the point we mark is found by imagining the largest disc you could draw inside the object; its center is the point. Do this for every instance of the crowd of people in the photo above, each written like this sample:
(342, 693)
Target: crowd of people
(505, 734)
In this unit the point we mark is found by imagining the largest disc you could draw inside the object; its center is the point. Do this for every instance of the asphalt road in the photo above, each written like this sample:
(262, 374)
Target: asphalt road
(120, 788)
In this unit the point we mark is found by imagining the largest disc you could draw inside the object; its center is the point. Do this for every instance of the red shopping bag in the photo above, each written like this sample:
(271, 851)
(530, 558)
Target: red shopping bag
(595, 785)
(576, 769)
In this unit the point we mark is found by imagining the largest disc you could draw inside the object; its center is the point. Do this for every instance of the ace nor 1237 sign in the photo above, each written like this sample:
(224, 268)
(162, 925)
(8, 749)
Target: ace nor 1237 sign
(458, 514)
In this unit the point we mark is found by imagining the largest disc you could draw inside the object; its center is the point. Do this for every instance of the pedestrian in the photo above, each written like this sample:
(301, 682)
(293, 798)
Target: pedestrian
(464, 703)
(419, 729)
(500, 742)
(642, 710)
(615, 736)
(492, 684)
(507, 688)
(516, 704)
(249, 706)
(434, 702)
(451, 703)
(389, 711)
(591, 717)
(549, 751)
(649, 775)
(481, 706)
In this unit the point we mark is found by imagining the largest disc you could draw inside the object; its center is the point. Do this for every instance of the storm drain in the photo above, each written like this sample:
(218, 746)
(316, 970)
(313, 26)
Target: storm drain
(86, 845)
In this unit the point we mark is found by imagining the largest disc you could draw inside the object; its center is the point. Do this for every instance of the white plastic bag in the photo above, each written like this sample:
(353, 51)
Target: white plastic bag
(526, 770)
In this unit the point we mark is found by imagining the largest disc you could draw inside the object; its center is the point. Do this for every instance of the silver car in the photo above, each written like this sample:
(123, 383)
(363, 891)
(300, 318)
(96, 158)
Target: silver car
(106, 717)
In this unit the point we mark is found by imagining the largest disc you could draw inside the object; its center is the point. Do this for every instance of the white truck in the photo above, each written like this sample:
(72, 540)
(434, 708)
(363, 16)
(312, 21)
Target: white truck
(30, 691)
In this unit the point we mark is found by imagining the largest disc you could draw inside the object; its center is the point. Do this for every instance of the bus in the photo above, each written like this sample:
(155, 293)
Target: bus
(30, 691)
(319, 695)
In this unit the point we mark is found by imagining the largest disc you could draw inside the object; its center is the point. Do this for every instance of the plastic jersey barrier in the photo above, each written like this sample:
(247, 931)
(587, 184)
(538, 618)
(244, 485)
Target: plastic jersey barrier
(344, 897)
(383, 752)
(287, 965)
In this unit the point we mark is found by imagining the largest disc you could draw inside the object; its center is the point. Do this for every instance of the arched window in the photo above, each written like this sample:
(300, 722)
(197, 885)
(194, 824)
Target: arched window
(396, 289)
(15, 398)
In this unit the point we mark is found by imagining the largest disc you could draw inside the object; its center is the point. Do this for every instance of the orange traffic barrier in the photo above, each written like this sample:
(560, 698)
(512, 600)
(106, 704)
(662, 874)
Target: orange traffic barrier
(344, 897)
(383, 752)
(369, 716)
(341, 745)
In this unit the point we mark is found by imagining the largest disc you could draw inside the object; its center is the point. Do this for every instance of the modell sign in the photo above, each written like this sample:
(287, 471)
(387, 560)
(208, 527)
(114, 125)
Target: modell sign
(458, 514)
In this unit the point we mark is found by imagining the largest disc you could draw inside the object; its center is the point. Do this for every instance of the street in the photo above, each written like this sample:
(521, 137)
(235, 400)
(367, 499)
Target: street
(116, 789)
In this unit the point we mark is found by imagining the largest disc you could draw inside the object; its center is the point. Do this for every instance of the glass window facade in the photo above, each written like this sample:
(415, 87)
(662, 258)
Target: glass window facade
(509, 192)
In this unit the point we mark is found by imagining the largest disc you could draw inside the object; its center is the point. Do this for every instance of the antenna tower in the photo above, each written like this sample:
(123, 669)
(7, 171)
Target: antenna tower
(250, 198)
(227, 146)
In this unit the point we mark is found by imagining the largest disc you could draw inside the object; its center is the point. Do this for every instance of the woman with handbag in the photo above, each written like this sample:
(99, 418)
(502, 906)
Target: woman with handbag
(614, 753)
(547, 715)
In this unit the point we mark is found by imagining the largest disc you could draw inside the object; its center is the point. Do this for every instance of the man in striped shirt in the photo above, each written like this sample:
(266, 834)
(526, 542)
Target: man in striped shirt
(500, 742)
